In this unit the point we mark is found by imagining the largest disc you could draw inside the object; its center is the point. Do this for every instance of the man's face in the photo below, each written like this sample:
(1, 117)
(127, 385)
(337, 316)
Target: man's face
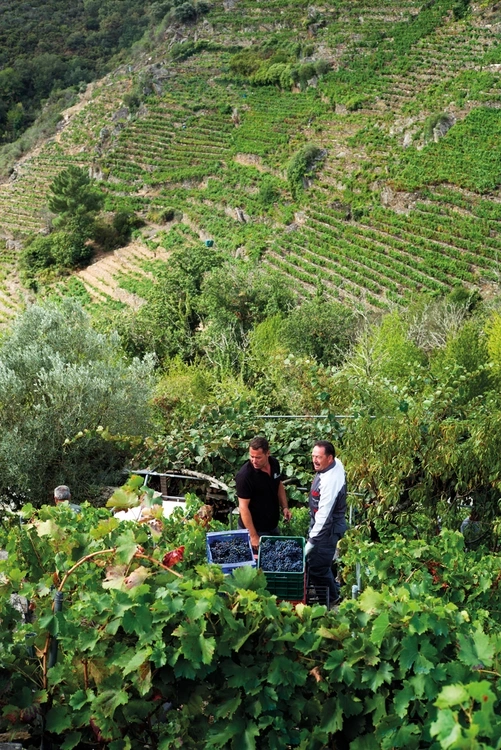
(258, 458)
(320, 459)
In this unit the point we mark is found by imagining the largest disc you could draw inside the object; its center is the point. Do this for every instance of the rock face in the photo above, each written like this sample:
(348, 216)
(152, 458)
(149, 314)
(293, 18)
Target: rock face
(444, 124)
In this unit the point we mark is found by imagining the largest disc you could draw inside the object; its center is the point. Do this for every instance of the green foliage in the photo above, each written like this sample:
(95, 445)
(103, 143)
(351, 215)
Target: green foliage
(266, 342)
(151, 655)
(468, 156)
(230, 311)
(246, 63)
(166, 325)
(425, 444)
(386, 351)
(460, 9)
(58, 251)
(62, 387)
(321, 329)
(73, 195)
(248, 296)
(109, 236)
(268, 191)
(48, 48)
(189, 12)
(302, 165)
(188, 48)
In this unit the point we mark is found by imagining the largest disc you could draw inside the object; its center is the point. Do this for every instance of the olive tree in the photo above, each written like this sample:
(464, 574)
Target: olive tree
(62, 386)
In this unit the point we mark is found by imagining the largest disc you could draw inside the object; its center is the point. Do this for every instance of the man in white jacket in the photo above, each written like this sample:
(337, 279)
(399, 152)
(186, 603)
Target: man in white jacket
(327, 503)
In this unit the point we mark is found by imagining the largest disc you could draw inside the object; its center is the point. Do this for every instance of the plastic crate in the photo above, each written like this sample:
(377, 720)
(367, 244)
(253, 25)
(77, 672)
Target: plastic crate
(289, 586)
(317, 595)
(226, 536)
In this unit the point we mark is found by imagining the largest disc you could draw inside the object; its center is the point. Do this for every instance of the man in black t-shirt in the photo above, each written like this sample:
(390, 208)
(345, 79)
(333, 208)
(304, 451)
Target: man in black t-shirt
(260, 492)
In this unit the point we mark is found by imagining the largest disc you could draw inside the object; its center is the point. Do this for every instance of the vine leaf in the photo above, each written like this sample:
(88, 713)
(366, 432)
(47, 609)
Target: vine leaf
(126, 546)
(478, 653)
(452, 695)
(58, 720)
(446, 729)
(371, 600)
(173, 557)
(47, 528)
(332, 716)
(71, 740)
(104, 527)
(137, 577)
(115, 576)
(109, 700)
(131, 663)
(379, 628)
(123, 500)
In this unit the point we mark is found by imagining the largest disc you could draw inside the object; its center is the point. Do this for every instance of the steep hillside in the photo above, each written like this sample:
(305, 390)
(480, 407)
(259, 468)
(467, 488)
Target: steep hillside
(400, 101)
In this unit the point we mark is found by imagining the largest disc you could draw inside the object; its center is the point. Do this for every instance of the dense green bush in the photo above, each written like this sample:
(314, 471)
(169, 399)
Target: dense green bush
(57, 252)
(321, 329)
(62, 384)
(302, 165)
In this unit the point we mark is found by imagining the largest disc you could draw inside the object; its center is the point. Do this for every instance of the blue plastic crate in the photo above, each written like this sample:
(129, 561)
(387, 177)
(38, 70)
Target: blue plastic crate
(228, 536)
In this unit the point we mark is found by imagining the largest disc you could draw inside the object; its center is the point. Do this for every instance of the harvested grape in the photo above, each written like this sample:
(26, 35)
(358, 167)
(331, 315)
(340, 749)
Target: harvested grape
(229, 551)
(281, 555)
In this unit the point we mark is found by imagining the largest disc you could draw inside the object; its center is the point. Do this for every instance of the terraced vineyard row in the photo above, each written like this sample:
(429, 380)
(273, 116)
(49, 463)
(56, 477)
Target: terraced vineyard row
(387, 257)
(434, 68)
(102, 280)
(215, 150)
(23, 200)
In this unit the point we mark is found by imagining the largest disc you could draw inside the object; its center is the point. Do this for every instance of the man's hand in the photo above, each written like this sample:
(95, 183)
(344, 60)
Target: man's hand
(308, 547)
(254, 541)
(287, 514)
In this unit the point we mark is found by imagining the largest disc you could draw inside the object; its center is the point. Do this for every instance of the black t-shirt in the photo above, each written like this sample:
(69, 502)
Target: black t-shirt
(262, 490)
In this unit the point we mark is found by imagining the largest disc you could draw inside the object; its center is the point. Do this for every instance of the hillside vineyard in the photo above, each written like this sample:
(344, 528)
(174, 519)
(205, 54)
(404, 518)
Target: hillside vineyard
(356, 145)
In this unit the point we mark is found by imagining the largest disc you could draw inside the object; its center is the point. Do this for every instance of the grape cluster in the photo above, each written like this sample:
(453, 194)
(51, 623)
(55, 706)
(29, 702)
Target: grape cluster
(227, 551)
(284, 555)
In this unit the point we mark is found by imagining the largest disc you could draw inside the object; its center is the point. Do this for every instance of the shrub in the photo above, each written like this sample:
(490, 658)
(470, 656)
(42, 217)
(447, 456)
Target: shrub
(301, 165)
(58, 378)
(185, 13)
(306, 72)
(321, 329)
(61, 250)
(322, 67)
(245, 63)
(268, 191)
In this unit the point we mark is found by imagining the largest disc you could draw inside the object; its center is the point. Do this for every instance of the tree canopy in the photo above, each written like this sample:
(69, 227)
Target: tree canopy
(62, 384)
(73, 194)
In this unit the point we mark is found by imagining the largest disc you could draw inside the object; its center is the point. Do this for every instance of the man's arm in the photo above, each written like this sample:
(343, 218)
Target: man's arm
(282, 499)
(245, 515)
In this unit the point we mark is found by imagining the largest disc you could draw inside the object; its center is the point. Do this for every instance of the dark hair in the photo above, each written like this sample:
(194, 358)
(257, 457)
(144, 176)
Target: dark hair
(259, 442)
(327, 446)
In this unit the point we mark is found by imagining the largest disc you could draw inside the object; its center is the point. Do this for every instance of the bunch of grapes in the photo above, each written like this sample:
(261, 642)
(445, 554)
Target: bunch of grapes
(227, 551)
(281, 555)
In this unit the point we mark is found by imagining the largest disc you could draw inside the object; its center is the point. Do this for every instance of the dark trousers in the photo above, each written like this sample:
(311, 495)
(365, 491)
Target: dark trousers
(320, 567)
